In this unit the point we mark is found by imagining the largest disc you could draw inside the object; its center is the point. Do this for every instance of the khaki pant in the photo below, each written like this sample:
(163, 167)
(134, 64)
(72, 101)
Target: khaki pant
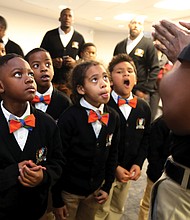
(80, 207)
(113, 208)
(145, 202)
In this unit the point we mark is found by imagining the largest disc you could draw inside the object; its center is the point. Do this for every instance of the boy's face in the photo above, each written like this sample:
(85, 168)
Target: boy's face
(2, 49)
(96, 89)
(41, 64)
(123, 79)
(89, 53)
(17, 84)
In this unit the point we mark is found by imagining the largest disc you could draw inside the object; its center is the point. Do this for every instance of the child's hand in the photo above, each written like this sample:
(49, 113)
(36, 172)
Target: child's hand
(61, 213)
(122, 175)
(30, 174)
(101, 197)
(135, 172)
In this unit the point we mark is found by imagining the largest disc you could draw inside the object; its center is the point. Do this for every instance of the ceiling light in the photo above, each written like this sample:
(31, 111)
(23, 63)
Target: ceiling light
(173, 5)
(128, 17)
(98, 18)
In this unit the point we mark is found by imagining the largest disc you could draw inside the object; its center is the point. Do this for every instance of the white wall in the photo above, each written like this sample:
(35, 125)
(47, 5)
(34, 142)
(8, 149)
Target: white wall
(27, 30)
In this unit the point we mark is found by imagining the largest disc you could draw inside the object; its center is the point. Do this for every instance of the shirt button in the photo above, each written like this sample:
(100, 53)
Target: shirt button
(97, 144)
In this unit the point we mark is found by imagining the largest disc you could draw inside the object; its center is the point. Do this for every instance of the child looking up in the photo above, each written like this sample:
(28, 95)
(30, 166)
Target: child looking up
(30, 154)
(90, 133)
(47, 99)
(135, 117)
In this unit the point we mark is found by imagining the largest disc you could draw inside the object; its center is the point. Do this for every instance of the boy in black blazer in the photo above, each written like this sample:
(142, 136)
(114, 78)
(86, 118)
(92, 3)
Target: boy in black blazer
(30, 154)
(135, 117)
(48, 99)
(90, 133)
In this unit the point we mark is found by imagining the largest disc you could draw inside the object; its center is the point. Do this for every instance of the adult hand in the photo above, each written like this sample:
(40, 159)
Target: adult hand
(57, 62)
(172, 38)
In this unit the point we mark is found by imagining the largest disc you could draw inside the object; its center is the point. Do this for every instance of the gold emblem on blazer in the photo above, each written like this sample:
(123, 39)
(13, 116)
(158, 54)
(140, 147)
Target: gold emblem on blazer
(139, 52)
(75, 44)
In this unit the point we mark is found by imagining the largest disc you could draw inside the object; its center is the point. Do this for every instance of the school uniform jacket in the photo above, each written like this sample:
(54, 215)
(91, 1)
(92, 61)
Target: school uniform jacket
(134, 134)
(16, 200)
(12, 47)
(52, 43)
(58, 104)
(146, 61)
(90, 160)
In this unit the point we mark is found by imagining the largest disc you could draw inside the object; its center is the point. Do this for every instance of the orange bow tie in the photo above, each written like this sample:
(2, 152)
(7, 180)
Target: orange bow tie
(28, 122)
(44, 99)
(94, 116)
(131, 102)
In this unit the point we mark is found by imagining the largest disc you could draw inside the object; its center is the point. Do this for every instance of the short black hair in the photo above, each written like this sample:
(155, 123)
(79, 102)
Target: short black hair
(35, 50)
(89, 44)
(4, 59)
(3, 22)
(122, 57)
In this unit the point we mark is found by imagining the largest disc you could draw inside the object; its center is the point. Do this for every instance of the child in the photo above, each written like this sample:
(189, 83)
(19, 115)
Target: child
(90, 145)
(31, 156)
(135, 117)
(88, 52)
(48, 99)
(2, 49)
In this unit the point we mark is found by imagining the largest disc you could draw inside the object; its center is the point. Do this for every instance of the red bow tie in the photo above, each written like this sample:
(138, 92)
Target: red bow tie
(44, 99)
(94, 116)
(131, 102)
(28, 122)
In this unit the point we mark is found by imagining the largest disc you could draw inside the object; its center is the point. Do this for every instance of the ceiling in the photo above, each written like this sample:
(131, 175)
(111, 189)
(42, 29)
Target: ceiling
(85, 11)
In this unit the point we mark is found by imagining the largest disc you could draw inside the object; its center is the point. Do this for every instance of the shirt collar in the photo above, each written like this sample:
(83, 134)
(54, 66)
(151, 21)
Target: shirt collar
(87, 105)
(48, 92)
(61, 32)
(116, 96)
(5, 40)
(7, 113)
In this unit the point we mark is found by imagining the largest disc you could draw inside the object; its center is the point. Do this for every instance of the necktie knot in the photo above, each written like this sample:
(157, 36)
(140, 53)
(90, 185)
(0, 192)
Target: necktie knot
(28, 122)
(94, 116)
(130, 102)
(44, 99)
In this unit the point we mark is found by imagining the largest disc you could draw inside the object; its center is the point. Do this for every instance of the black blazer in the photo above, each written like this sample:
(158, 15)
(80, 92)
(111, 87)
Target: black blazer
(134, 139)
(146, 61)
(90, 160)
(58, 104)
(52, 43)
(17, 201)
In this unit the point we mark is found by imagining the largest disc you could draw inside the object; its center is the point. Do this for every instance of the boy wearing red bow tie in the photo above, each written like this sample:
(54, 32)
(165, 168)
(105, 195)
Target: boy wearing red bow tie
(47, 99)
(30, 152)
(90, 133)
(135, 119)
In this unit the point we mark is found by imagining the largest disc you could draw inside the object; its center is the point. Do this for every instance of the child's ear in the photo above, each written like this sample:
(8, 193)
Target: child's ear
(1, 87)
(80, 90)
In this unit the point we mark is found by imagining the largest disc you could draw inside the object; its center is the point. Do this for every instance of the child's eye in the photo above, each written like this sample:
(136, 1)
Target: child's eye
(35, 66)
(18, 74)
(31, 74)
(94, 80)
(106, 77)
(48, 64)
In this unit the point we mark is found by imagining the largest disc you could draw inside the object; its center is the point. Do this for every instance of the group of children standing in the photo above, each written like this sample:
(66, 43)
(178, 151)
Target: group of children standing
(84, 151)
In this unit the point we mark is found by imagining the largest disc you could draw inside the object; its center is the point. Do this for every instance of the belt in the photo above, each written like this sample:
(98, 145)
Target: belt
(177, 172)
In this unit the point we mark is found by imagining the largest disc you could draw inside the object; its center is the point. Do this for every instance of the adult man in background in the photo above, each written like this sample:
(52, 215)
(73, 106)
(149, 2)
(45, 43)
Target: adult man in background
(143, 53)
(10, 46)
(64, 45)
